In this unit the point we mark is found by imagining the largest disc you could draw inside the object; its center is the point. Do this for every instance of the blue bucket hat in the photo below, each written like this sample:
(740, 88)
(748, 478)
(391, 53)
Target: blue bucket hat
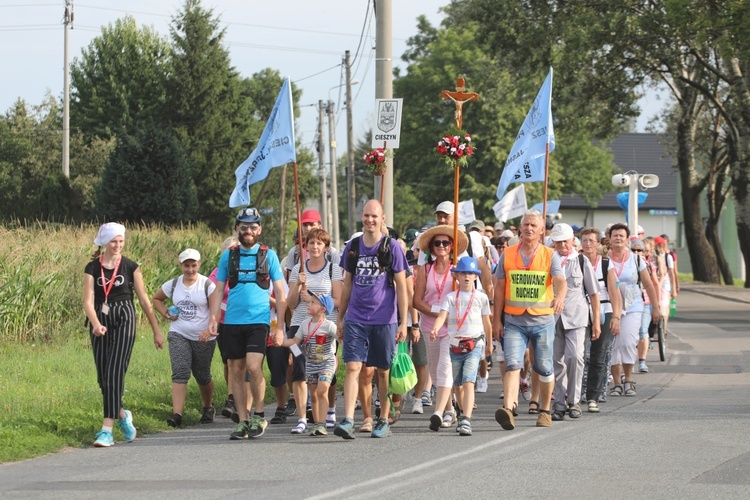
(325, 300)
(249, 214)
(467, 265)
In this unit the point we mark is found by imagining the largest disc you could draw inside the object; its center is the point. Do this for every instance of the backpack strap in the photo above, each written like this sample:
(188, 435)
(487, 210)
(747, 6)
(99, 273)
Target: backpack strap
(385, 258)
(174, 284)
(234, 266)
(583, 274)
(605, 270)
(262, 277)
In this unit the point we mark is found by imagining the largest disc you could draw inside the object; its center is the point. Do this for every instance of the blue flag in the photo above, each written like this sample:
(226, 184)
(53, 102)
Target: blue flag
(275, 148)
(553, 207)
(526, 159)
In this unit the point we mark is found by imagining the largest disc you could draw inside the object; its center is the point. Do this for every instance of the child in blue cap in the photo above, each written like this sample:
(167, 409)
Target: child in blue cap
(469, 325)
(317, 336)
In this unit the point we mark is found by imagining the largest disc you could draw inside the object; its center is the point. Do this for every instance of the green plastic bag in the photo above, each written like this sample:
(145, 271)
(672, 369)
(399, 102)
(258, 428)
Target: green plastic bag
(403, 376)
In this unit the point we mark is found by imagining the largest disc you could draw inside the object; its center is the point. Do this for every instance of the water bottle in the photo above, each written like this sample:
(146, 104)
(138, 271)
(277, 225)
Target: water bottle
(173, 311)
(673, 308)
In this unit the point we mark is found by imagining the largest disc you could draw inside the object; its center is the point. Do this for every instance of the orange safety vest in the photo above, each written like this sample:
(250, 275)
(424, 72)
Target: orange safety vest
(528, 290)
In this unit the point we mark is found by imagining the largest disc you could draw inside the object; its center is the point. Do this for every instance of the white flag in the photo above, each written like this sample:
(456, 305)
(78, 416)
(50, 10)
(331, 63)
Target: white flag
(466, 212)
(512, 205)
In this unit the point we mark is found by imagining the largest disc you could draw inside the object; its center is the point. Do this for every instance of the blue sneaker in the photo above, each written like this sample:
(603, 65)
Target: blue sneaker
(382, 429)
(126, 426)
(104, 439)
(345, 429)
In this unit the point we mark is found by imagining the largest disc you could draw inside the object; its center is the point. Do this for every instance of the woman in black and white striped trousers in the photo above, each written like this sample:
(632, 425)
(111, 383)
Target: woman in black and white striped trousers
(109, 282)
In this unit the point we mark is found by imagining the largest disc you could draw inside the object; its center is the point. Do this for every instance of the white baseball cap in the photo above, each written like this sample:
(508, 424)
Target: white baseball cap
(561, 232)
(190, 254)
(446, 207)
(640, 230)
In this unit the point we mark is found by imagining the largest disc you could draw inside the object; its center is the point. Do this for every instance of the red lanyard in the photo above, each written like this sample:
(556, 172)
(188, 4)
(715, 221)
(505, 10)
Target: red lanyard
(562, 264)
(460, 321)
(315, 329)
(108, 288)
(438, 287)
(596, 265)
(531, 260)
(622, 263)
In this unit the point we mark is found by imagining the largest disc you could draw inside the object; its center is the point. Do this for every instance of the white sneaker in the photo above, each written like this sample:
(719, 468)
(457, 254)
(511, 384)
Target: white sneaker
(481, 384)
(417, 406)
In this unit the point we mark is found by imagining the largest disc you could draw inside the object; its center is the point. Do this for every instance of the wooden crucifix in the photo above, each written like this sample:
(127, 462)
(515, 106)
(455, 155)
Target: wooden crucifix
(459, 96)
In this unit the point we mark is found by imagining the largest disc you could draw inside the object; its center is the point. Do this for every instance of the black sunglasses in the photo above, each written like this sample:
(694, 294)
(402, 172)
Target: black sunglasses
(441, 243)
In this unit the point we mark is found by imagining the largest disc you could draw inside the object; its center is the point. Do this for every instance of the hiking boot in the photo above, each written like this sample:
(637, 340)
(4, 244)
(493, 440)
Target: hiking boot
(126, 426)
(175, 420)
(382, 429)
(642, 367)
(279, 417)
(208, 415)
(104, 439)
(291, 408)
(228, 408)
(504, 417)
(242, 431)
(257, 427)
(345, 429)
(544, 419)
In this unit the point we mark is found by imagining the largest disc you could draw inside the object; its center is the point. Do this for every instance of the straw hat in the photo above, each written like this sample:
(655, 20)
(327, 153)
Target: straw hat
(425, 239)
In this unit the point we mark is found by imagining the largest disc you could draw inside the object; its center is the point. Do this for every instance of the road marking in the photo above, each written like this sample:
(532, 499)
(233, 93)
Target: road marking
(381, 480)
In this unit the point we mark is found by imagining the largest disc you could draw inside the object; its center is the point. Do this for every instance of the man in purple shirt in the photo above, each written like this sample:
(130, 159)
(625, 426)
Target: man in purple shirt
(373, 301)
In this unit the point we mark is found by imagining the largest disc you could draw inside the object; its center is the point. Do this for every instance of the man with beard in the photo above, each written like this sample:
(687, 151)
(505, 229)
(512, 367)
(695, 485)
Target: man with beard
(250, 269)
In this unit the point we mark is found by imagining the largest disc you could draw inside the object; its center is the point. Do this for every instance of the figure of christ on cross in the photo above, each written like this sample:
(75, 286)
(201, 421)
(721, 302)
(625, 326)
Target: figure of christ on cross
(460, 96)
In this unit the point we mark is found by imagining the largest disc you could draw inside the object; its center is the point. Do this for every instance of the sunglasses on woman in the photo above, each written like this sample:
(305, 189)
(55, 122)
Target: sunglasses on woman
(441, 243)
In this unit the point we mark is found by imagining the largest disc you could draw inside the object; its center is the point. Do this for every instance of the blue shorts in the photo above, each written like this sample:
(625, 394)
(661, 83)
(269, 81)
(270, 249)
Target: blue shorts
(374, 345)
(465, 366)
(645, 322)
(542, 338)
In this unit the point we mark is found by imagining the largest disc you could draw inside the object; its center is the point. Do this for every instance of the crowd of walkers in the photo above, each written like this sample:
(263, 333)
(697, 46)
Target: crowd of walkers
(567, 309)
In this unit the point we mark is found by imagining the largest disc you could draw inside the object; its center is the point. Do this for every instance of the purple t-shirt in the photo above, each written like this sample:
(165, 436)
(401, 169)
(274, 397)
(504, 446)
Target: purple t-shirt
(372, 301)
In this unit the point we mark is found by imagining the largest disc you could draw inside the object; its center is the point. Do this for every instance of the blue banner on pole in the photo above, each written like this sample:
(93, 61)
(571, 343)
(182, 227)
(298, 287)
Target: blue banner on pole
(526, 159)
(275, 148)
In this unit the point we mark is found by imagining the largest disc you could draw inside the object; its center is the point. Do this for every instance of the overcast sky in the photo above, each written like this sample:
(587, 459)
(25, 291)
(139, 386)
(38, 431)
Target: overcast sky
(298, 37)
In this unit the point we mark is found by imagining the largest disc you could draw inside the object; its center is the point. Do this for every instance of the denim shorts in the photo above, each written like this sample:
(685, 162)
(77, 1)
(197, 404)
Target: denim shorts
(541, 337)
(645, 322)
(374, 345)
(465, 366)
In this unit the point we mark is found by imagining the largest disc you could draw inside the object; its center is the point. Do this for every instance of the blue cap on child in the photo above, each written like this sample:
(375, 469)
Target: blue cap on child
(325, 300)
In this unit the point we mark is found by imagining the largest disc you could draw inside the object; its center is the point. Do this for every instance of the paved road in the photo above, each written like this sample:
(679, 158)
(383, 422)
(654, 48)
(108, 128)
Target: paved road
(684, 436)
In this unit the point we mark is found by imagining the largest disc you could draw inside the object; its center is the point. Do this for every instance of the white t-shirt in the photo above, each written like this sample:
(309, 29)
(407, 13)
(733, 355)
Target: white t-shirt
(318, 282)
(627, 282)
(603, 292)
(472, 326)
(193, 304)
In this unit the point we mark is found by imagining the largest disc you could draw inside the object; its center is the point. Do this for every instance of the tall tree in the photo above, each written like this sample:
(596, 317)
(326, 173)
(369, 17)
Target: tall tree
(207, 108)
(436, 56)
(118, 79)
(152, 156)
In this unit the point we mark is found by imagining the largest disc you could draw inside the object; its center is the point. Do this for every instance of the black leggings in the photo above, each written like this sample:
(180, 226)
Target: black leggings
(112, 354)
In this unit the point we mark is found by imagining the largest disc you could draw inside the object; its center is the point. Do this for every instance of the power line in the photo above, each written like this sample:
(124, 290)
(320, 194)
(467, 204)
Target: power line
(362, 34)
(316, 74)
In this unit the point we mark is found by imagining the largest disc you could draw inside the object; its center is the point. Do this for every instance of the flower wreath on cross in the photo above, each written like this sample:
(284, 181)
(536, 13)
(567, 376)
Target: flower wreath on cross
(455, 147)
(376, 158)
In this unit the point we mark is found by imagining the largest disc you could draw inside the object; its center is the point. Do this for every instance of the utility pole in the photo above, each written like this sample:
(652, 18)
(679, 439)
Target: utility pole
(68, 22)
(322, 164)
(351, 205)
(384, 86)
(334, 176)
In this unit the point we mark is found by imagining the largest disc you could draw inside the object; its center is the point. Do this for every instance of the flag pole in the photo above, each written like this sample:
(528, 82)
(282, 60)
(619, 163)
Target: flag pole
(299, 224)
(546, 182)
